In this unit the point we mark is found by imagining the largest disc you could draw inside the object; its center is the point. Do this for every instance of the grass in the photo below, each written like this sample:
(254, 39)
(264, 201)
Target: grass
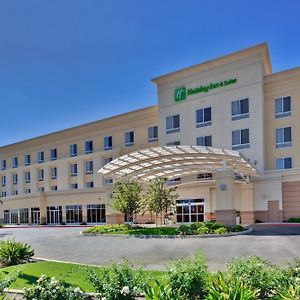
(70, 274)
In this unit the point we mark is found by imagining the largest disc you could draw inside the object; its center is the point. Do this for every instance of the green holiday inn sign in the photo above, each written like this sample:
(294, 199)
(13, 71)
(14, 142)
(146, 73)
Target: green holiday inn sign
(182, 93)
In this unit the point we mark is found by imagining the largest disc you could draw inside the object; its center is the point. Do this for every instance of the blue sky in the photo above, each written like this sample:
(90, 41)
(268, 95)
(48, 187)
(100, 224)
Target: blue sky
(68, 62)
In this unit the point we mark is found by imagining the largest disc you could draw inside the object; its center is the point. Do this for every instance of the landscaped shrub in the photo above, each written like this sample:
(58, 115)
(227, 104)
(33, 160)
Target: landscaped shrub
(102, 229)
(189, 276)
(5, 282)
(118, 282)
(185, 229)
(224, 286)
(257, 273)
(14, 253)
(47, 288)
(237, 228)
(294, 220)
(203, 230)
(221, 230)
(159, 291)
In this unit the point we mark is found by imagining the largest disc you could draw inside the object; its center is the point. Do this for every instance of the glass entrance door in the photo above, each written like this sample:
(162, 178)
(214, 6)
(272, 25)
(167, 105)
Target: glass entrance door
(54, 214)
(35, 215)
(190, 211)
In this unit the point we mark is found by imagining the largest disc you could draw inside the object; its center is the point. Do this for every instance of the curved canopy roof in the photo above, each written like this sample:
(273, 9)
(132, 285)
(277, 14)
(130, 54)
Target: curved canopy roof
(176, 161)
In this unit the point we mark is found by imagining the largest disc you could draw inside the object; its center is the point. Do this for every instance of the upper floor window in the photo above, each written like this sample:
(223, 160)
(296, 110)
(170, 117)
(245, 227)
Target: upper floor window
(129, 138)
(240, 109)
(15, 178)
(3, 194)
(204, 141)
(152, 134)
(27, 191)
(283, 137)
(89, 167)
(41, 189)
(73, 150)
(173, 124)
(15, 162)
(107, 142)
(74, 186)
(107, 160)
(88, 147)
(203, 117)
(3, 164)
(3, 180)
(27, 159)
(27, 177)
(90, 184)
(41, 174)
(240, 139)
(53, 173)
(53, 154)
(284, 163)
(54, 188)
(41, 156)
(282, 107)
(175, 143)
(74, 170)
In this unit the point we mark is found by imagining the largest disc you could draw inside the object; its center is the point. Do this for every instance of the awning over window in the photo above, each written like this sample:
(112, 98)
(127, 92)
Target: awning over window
(176, 161)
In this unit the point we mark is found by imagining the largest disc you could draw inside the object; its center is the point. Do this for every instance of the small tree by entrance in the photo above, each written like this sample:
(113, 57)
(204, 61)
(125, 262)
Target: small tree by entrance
(127, 198)
(160, 200)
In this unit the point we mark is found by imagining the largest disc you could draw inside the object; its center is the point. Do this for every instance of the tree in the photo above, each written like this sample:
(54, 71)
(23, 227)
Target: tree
(160, 200)
(127, 198)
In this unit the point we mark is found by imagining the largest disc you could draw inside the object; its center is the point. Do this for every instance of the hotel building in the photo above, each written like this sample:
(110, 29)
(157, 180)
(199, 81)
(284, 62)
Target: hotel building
(232, 104)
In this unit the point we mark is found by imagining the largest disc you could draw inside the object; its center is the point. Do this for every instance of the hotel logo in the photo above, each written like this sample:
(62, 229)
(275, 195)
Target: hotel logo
(180, 94)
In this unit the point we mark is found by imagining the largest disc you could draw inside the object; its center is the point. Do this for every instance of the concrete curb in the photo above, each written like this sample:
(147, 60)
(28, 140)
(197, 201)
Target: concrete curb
(142, 236)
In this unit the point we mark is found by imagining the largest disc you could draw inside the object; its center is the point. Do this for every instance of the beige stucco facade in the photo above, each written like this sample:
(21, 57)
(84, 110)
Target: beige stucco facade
(272, 196)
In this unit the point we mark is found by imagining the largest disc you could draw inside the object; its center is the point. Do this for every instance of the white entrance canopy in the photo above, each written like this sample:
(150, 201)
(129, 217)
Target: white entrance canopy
(176, 161)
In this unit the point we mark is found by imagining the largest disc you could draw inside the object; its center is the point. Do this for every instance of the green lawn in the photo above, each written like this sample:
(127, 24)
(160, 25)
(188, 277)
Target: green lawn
(71, 274)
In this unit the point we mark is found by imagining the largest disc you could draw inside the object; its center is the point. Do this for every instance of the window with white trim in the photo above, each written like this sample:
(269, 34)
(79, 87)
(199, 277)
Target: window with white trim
(41, 189)
(41, 156)
(109, 181)
(15, 192)
(108, 142)
(152, 134)
(27, 191)
(283, 163)
(283, 137)
(74, 186)
(27, 177)
(3, 194)
(3, 164)
(129, 138)
(73, 150)
(15, 162)
(53, 173)
(3, 180)
(40, 174)
(240, 109)
(90, 184)
(107, 160)
(175, 143)
(27, 159)
(173, 124)
(54, 188)
(205, 141)
(74, 169)
(15, 178)
(88, 147)
(203, 117)
(53, 154)
(89, 167)
(240, 139)
(283, 107)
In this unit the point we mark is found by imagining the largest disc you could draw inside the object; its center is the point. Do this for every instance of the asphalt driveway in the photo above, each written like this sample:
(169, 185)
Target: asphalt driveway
(276, 243)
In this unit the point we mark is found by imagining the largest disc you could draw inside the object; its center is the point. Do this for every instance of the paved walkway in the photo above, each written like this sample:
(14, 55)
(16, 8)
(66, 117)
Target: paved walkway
(276, 243)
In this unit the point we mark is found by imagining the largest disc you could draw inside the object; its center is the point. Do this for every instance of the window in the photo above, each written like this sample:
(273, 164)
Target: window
(41, 174)
(41, 189)
(282, 107)
(41, 156)
(204, 141)
(27, 191)
(27, 159)
(3, 180)
(107, 142)
(152, 134)
(174, 181)
(54, 188)
(240, 109)
(53, 173)
(283, 137)
(15, 178)
(129, 138)
(89, 167)
(284, 163)
(74, 186)
(27, 177)
(15, 162)
(73, 150)
(205, 176)
(73, 213)
(15, 192)
(108, 181)
(3, 164)
(88, 147)
(203, 117)
(3, 194)
(240, 139)
(173, 124)
(24, 215)
(107, 160)
(96, 213)
(6, 216)
(90, 184)
(53, 154)
(175, 143)
(73, 169)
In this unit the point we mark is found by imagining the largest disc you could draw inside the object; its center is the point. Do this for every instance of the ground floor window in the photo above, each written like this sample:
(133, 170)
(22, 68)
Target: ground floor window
(54, 214)
(35, 215)
(73, 213)
(96, 213)
(14, 218)
(190, 210)
(24, 215)
(6, 216)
